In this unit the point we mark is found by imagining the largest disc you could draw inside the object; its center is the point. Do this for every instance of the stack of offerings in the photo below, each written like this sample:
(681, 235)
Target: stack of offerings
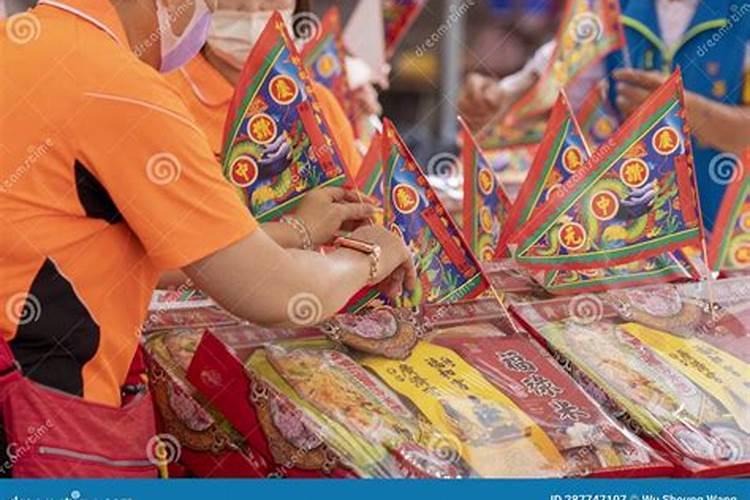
(671, 361)
(392, 393)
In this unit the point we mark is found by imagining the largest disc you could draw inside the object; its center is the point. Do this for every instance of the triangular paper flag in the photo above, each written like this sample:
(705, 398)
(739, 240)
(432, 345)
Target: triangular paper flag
(324, 56)
(398, 16)
(561, 153)
(729, 249)
(659, 269)
(635, 198)
(597, 117)
(589, 31)
(277, 144)
(447, 269)
(486, 204)
(370, 176)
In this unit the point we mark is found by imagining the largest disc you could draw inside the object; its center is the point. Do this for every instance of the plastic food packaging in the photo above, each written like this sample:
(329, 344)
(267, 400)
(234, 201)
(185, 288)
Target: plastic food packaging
(248, 401)
(671, 361)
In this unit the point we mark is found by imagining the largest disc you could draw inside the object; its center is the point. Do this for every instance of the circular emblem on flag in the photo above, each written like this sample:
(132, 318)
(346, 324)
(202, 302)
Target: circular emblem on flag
(486, 181)
(327, 66)
(572, 236)
(485, 219)
(604, 205)
(553, 191)
(634, 173)
(603, 128)
(283, 89)
(666, 140)
(262, 128)
(487, 254)
(741, 254)
(745, 222)
(243, 171)
(405, 198)
(572, 159)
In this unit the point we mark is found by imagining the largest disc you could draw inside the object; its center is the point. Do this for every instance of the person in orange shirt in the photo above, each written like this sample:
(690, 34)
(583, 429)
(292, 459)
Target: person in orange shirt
(106, 182)
(207, 82)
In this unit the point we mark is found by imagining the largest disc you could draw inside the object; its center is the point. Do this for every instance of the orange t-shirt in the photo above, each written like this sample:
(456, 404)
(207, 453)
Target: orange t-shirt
(105, 182)
(207, 95)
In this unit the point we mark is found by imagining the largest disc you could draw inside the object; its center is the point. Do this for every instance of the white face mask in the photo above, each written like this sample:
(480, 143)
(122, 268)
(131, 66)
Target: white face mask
(233, 33)
(178, 50)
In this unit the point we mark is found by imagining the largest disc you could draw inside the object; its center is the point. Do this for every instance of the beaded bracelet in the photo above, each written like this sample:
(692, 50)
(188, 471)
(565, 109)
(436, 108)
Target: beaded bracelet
(301, 228)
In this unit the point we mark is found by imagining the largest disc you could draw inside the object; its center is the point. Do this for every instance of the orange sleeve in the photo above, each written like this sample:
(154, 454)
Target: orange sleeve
(341, 128)
(159, 170)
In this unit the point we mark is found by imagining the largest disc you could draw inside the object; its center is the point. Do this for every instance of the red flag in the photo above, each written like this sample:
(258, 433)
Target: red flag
(398, 16)
(729, 249)
(630, 201)
(277, 144)
(324, 56)
(597, 117)
(447, 269)
(561, 153)
(486, 204)
(589, 31)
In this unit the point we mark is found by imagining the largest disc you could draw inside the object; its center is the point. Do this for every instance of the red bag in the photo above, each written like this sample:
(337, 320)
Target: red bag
(51, 434)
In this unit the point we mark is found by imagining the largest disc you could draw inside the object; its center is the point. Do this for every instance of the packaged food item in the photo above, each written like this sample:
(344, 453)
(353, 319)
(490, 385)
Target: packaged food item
(591, 443)
(487, 433)
(208, 445)
(671, 361)
(262, 435)
(363, 420)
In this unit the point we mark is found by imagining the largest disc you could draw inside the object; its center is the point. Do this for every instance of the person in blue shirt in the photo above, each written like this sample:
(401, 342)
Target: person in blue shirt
(709, 41)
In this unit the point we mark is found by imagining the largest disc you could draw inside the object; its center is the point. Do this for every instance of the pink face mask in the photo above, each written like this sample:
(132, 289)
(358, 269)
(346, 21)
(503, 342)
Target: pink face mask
(178, 50)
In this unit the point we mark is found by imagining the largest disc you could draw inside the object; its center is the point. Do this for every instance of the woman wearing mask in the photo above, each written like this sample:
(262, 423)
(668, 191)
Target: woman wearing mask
(207, 83)
(107, 183)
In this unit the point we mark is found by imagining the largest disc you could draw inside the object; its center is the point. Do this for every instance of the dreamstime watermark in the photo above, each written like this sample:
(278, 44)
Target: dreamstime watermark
(154, 37)
(23, 308)
(305, 309)
(586, 309)
(738, 13)
(444, 165)
(35, 153)
(163, 449)
(454, 16)
(16, 451)
(23, 28)
(306, 26)
(586, 27)
(725, 168)
(163, 168)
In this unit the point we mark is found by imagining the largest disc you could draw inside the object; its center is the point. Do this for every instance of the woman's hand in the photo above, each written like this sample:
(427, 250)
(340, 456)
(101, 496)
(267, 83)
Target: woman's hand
(396, 269)
(326, 211)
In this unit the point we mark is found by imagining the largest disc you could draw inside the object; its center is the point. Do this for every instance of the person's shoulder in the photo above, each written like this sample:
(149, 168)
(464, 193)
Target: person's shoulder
(119, 75)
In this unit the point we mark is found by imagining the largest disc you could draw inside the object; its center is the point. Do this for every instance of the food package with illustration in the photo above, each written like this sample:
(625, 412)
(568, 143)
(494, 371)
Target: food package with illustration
(669, 360)
(370, 396)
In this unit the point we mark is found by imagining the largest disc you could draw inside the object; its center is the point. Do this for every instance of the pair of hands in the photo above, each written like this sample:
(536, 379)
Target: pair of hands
(332, 210)
(483, 101)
